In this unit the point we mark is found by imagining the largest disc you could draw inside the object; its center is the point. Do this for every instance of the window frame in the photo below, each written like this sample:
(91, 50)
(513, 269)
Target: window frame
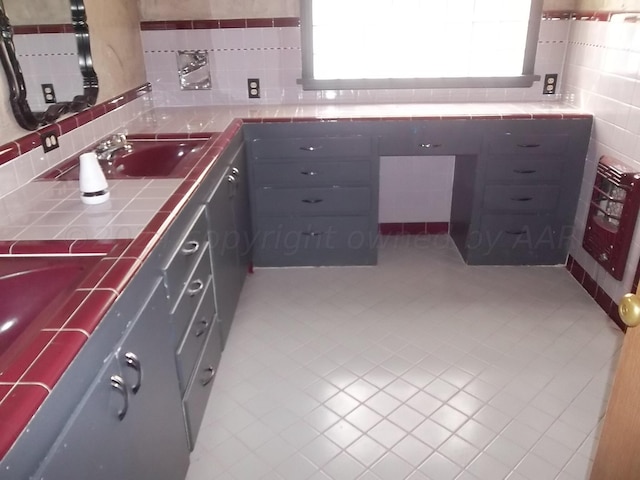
(525, 80)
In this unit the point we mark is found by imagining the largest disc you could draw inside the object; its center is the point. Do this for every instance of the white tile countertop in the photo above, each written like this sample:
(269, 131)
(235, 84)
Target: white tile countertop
(43, 210)
(216, 119)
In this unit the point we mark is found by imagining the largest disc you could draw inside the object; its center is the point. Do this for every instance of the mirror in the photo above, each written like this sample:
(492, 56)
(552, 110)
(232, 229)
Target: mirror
(48, 66)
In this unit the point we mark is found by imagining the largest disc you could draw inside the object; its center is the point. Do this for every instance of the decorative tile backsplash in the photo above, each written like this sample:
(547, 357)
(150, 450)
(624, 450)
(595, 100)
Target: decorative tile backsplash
(242, 49)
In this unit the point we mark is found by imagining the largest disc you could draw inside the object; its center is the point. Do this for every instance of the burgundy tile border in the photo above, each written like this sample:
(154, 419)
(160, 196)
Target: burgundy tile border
(212, 24)
(16, 409)
(55, 359)
(601, 297)
(27, 352)
(414, 228)
(91, 311)
(119, 274)
(62, 315)
(32, 140)
(8, 152)
(44, 247)
(5, 247)
(43, 28)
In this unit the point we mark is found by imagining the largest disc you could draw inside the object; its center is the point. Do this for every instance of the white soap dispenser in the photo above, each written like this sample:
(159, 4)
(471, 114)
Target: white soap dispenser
(93, 184)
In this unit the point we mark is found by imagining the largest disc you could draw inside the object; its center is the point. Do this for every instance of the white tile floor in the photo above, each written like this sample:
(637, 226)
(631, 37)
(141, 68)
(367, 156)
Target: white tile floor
(418, 368)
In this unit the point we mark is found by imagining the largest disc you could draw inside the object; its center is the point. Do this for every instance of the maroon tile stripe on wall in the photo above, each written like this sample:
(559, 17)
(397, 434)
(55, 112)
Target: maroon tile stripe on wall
(32, 140)
(44, 28)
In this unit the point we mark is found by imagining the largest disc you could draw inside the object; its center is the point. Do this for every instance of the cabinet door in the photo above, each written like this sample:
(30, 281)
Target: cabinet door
(242, 217)
(95, 442)
(157, 443)
(224, 240)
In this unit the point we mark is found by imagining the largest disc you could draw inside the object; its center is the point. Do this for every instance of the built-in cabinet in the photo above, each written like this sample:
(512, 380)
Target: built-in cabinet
(134, 399)
(515, 201)
(314, 197)
(230, 233)
(515, 191)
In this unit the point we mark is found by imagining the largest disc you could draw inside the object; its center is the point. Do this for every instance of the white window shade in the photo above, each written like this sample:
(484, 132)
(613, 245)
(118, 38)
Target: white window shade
(411, 43)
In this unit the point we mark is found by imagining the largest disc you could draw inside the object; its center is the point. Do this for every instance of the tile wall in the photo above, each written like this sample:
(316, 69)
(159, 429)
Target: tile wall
(48, 58)
(602, 76)
(260, 49)
(34, 162)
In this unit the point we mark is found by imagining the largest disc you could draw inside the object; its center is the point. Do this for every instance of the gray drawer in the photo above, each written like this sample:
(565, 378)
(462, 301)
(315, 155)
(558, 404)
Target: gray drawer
(195, 337)
(195, 399)
(521, 198)
(519, 239)
(305, 173)
(528, 143)
(295, 241)
(185, 256)
(429, 137)
(311, 147)
(312, 201)
(194, 288)
(525, 168)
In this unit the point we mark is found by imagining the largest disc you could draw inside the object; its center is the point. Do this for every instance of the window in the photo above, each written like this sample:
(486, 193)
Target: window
(350, 44)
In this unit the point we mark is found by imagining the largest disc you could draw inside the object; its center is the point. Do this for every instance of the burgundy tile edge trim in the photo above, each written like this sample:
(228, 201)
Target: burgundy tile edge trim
(42, 28)
(62, 247)
(601, 297)
(22, 145)
(413, 228)
(275, 22)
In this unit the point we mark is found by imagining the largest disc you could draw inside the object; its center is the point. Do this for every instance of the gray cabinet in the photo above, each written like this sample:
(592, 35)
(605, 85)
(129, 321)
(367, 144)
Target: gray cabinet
(514, 204)
(229, 221)
(129, 424)
(314, 195)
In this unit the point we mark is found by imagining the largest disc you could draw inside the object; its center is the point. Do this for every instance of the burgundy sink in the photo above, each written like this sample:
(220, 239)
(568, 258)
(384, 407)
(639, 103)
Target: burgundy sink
(31, 288)
(147, 158)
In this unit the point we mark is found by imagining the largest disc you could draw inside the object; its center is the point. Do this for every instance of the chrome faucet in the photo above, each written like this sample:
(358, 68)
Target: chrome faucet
(107, 148)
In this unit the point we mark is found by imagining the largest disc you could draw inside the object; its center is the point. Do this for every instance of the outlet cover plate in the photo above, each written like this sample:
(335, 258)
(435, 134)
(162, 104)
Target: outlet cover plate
(49, 141)
(550, 84)
(49, 93)
(253, 87)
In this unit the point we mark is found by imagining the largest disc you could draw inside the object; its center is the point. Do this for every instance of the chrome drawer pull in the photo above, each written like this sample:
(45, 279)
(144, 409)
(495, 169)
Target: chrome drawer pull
(515, 232)
(312, 201)
(195, 287)
(211, 373)
(190, 248)
(205, 325)
(430, 145)
(309, 173)
(235, 171)
(312, 234)
(522, 199)
(133, 362)
(310, 148)
(231, 179)
(524, 171)
(528, 145)
(118, 383)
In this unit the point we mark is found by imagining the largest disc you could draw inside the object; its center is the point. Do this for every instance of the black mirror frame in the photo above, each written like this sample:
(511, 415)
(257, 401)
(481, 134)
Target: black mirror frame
(26, 118)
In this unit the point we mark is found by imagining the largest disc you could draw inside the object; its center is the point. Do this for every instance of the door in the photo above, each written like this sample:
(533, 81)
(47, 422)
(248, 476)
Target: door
(617, 457)
(223, 238)
(157, 443)
(94, 442)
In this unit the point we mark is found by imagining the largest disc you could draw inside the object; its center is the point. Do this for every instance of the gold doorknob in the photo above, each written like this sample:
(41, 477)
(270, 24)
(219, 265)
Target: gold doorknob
(629, 310)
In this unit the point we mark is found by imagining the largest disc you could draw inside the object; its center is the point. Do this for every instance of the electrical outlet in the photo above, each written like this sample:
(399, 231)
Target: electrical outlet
(49, 93)
(49, 141)
(550, 84)
(253, 87)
